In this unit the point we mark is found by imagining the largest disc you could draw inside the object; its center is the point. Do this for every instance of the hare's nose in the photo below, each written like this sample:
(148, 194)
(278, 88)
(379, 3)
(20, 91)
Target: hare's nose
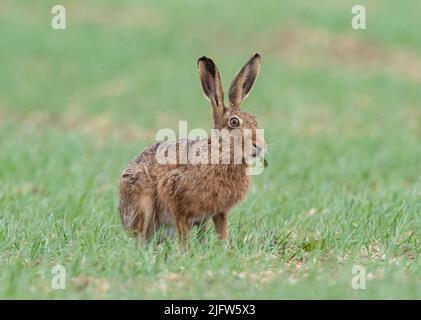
(258, 150)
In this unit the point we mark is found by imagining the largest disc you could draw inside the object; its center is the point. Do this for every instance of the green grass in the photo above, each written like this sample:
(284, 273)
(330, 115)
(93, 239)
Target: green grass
(341, 113)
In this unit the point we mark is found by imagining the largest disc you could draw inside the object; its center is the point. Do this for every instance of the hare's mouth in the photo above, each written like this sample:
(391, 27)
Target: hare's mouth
(259, 152)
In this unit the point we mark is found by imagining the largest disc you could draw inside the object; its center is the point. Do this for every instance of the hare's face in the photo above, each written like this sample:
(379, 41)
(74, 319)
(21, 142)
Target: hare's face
(231, 116)
(246, 125)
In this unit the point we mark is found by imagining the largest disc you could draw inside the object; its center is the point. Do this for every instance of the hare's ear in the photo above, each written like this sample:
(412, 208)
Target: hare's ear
(212, 87)
(244, 80)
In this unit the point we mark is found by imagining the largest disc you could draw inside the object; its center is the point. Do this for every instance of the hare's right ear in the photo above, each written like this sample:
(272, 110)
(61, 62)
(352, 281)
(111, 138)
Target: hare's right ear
(243, 81)
(212, 88)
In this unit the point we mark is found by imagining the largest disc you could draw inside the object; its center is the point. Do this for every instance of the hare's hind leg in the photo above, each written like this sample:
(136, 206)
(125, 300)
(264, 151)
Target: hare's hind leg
(221, 225)
(183, 228)
(146, 206)
(137, 214)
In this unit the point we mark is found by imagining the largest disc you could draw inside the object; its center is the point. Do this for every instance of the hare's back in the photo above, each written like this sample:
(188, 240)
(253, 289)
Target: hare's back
(147, 168)
(148, 155)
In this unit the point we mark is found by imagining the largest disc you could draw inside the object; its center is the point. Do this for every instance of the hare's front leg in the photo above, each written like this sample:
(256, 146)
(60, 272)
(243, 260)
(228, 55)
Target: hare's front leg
(182, 226)
(221, 225)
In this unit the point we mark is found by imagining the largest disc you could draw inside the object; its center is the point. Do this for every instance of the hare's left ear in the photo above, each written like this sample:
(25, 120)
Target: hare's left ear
(243, 81)
(212, 88)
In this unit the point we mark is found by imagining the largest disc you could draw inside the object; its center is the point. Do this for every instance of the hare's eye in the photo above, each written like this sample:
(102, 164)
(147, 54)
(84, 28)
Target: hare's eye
(234, 122)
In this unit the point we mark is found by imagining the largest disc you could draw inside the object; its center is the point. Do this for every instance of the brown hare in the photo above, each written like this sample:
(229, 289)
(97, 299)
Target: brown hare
(185, 194)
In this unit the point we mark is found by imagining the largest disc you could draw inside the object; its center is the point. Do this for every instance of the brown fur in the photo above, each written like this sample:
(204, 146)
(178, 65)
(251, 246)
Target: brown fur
(184, 195)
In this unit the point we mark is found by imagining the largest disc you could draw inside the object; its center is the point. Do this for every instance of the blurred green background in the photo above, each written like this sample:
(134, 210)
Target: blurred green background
(341, 110)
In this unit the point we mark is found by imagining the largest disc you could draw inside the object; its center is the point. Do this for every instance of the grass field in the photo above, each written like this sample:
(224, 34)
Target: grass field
(341, 111)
